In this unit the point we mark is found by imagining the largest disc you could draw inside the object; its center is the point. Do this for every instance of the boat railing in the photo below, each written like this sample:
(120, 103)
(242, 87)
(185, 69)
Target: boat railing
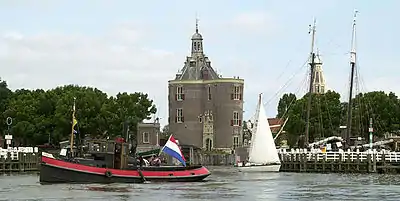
(341, 155)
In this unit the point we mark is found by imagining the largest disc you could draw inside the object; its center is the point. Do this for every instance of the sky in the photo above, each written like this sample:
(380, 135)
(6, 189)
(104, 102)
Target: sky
(129, 46)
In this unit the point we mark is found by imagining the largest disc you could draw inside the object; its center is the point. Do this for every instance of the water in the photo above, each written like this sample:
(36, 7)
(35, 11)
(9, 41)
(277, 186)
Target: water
(224, 184)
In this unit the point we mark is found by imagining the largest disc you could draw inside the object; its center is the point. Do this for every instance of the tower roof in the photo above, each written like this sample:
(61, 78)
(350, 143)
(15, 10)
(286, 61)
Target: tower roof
(197, 66)
(197, 35)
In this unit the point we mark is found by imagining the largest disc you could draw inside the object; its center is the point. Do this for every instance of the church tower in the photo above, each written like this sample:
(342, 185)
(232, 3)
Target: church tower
(318, 83)
(205, 109)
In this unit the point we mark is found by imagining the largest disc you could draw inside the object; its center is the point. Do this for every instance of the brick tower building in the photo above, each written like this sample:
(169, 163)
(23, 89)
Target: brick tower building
(205, 109)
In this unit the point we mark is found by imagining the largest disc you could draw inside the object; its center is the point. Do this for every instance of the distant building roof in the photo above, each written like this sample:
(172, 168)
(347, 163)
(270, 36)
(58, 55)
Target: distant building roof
(275, 124)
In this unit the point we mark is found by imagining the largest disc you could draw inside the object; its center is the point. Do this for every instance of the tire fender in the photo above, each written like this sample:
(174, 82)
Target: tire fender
(108, 174)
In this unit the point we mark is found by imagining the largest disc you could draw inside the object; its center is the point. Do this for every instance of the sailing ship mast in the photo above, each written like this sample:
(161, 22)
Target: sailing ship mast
(312, 67)
(352, 65)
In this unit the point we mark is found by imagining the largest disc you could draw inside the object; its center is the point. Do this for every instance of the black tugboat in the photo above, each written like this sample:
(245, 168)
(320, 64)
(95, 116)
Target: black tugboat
(108, 161)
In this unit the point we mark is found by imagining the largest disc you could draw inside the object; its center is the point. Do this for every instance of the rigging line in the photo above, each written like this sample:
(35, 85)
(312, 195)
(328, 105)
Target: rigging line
(286, 84)
(329, 113)
(359, 108)
(293, 101)
(371, 109)
(304, 81)
(318, 98)
(284, 70)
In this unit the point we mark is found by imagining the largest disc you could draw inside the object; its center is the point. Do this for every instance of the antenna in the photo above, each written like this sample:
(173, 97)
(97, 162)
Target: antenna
(197, 23)
(311, 30)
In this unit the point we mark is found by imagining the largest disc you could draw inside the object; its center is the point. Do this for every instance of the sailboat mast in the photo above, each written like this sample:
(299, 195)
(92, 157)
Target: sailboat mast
(312, 65)
(352, 65)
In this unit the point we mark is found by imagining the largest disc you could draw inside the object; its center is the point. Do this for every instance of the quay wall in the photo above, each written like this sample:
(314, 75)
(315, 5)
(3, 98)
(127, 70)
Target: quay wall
(370, 161)
(19, 159)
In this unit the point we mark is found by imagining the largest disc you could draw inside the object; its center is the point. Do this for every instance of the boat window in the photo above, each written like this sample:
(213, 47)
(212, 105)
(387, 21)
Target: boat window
(110, 147)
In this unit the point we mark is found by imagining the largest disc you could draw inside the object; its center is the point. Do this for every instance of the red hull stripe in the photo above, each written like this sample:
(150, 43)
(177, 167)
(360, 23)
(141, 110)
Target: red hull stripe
(123, 173)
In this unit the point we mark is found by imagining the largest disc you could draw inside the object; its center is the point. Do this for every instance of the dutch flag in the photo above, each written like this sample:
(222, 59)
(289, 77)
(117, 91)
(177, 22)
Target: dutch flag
(171, 148)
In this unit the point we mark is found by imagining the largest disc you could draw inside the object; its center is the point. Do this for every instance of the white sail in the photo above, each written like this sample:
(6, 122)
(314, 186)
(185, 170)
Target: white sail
(263, 150)
(254, 128)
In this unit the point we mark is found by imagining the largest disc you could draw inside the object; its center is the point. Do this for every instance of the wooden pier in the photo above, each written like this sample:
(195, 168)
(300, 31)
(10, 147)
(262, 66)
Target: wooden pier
(340, 162)
(21, 159)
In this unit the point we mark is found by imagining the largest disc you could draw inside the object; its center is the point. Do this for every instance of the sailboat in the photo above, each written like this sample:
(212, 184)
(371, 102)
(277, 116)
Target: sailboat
(263, 155)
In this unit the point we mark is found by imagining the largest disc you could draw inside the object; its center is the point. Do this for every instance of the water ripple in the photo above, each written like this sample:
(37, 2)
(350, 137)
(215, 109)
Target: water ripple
(223, 184)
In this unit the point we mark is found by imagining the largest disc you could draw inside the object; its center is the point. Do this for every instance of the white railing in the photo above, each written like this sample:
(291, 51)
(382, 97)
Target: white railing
(318, 155)
(14, 151)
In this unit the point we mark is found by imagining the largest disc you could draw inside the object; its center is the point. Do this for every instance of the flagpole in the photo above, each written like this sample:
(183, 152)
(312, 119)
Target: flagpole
(164, 146)
(72, 129)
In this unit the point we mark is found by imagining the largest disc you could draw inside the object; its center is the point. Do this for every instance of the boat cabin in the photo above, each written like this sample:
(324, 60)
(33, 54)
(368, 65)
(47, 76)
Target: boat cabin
(106, 153)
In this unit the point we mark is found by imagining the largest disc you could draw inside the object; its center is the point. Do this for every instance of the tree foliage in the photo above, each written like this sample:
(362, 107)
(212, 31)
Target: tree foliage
(284, 103)
(328, 113)
(38, 114)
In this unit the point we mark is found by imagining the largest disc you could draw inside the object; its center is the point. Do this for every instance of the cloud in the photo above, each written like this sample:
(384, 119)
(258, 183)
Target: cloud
(252, 21)
(113, 61)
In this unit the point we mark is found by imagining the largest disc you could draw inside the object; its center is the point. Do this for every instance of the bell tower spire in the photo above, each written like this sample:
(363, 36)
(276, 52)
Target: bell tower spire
(197, 41)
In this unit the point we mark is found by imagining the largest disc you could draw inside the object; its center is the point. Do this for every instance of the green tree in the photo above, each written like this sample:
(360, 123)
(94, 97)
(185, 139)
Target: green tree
(285, 103)
(324, 117)
(384, 109)
(5, 94)
(40, 114)
(327, 114)
(165, 133)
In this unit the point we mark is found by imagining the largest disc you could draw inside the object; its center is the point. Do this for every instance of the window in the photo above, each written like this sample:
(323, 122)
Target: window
(235, 141)
(236, 121)
(179, 115)
(209, 92)
(179, 96)
(200, 119)
(317, 89)
(146, 137)
(195, 46)
(208, 144)
(237, 93)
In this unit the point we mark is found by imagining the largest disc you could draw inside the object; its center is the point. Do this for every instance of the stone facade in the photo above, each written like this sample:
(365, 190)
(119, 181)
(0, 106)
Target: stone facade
(148, 136)
(205, 109)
